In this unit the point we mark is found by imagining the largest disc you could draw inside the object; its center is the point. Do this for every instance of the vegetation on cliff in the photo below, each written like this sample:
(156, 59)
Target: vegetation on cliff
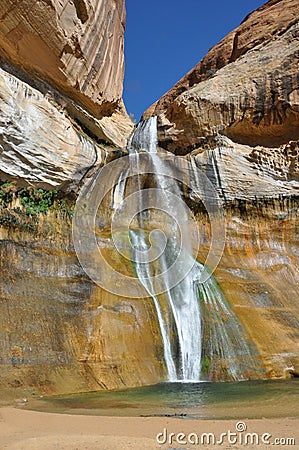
(20, 208)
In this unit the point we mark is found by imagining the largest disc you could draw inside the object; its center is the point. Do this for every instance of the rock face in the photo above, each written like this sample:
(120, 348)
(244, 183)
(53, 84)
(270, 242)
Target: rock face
(246, 88)
(61, 82)
(259, 275)
(61, 333)
(249, 173)
(75, 47)
(39, 144)
(235, 116)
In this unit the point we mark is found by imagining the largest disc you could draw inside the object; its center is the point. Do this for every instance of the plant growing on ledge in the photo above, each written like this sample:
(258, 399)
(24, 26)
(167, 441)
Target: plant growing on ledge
(37, 201)
(33, 202)
(7, 191)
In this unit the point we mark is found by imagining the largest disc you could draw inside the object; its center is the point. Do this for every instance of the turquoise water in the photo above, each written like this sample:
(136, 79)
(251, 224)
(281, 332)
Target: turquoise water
(252, 399)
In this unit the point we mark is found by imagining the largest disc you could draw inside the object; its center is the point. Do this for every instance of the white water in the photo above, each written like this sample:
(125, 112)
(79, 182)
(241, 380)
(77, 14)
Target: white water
(119, 191)
(181, 300)
(199, 331)
(144, 275)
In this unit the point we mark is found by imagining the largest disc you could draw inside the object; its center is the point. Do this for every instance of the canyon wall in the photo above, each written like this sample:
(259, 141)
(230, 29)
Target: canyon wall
(61, 118)
(60, 332)
(73, 52)
(234, 117)
(246, 88)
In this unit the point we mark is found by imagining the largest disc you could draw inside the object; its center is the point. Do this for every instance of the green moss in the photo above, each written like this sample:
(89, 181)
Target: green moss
(200, 295)
(34, 202)
(205, 366)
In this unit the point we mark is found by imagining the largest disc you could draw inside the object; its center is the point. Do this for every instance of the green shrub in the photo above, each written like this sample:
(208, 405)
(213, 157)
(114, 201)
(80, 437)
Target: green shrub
(34, 201)
(37, 201)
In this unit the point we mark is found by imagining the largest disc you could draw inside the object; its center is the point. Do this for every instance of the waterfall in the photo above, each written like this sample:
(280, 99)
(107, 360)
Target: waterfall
(181, 300)
(119, 191)
(201, 336)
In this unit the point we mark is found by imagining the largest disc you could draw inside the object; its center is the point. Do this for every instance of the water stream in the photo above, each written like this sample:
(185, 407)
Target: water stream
(202, 338)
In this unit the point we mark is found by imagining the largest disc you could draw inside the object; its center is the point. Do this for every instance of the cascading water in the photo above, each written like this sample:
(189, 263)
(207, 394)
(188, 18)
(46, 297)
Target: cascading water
(201, 336)
(182, 302)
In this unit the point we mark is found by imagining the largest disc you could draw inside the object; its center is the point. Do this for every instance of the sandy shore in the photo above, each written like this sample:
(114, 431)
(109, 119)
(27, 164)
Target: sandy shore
(30, 430)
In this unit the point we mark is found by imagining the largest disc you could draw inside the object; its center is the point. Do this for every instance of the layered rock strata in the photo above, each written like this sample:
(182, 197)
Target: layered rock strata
(235, 117)
(39, 144)
(76, 48)
(61, 118)
(58, 331)
(246, 88)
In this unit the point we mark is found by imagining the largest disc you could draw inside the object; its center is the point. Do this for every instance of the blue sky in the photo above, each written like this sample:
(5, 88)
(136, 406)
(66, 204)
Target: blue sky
(166, 38)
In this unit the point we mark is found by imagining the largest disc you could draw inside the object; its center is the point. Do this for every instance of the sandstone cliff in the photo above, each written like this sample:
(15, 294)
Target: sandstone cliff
(59, 332)
(61, 117)
(73, 52)
(246, 88)
(235, 117)
(39, 143)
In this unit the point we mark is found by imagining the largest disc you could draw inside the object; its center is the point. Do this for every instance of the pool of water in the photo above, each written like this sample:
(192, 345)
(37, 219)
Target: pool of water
(252, 399)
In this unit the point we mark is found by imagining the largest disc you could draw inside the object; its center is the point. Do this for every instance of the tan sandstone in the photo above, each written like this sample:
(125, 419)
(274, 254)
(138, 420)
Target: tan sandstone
(76, 47)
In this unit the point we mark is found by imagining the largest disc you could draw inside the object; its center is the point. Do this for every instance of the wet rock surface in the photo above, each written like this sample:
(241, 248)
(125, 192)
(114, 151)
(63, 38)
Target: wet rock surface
(234, 117)
(59, 331)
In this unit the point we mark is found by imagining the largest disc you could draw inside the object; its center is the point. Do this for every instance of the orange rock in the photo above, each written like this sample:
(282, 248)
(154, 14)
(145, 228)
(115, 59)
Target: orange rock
(245, 88)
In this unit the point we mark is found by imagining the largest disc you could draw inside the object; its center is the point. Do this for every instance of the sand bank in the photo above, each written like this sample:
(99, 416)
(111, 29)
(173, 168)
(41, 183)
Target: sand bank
(29, 430)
